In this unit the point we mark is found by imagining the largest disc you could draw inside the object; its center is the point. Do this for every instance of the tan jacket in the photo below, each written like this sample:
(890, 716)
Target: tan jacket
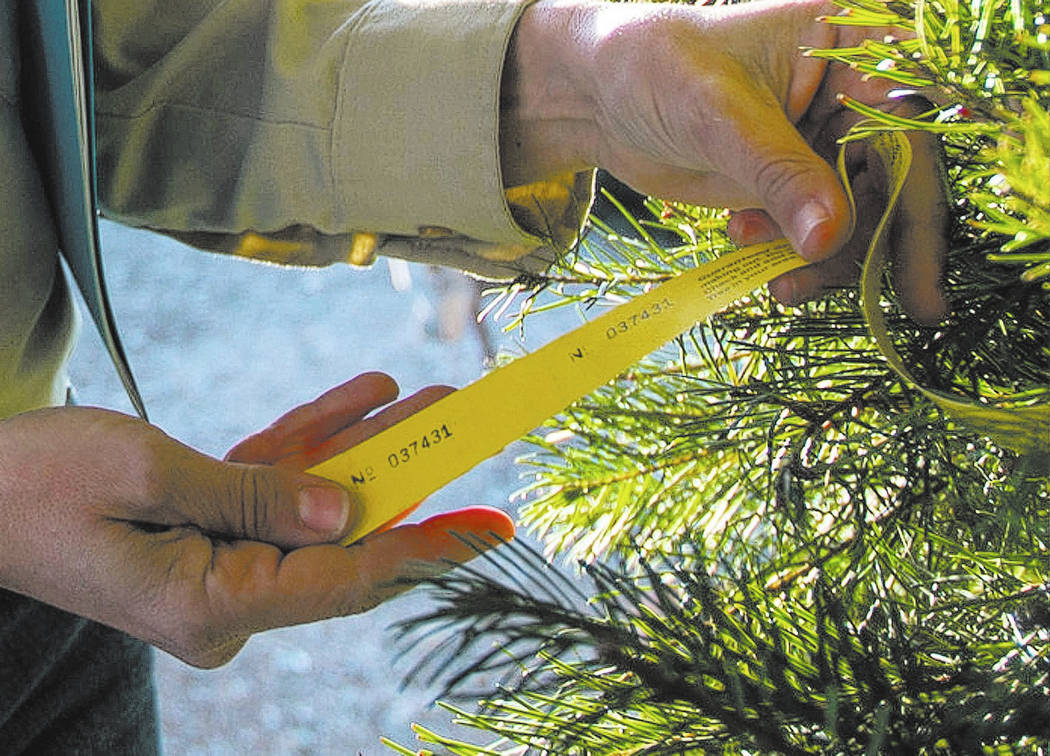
(309, 120)
(298, 131)
(36, 314)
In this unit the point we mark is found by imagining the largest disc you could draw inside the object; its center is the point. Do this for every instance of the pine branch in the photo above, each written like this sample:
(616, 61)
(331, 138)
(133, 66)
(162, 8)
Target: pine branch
(680, 657)
(788, 548)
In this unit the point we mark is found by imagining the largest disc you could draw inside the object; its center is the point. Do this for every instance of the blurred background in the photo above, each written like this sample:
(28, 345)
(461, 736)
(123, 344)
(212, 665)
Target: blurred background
(221, 347)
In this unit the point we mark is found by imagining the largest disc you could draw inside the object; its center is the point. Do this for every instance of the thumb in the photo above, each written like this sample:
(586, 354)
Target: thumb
(263, 503)
(798, 189)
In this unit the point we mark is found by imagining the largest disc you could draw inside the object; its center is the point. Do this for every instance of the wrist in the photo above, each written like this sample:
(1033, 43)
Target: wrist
(547, 124)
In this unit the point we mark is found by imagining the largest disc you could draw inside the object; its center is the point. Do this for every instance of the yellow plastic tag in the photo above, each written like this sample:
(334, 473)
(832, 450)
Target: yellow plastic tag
(398, 467)
(1023, 429)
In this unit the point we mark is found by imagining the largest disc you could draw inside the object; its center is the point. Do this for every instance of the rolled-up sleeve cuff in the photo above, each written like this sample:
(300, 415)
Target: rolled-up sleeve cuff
(416, 142)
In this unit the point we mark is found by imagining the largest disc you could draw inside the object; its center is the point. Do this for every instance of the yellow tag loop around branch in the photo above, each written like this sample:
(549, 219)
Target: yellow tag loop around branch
(1023, 429)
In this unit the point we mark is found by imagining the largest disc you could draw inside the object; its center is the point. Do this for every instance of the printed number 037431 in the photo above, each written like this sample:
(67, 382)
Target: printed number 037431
(631, 321)
(407, 453)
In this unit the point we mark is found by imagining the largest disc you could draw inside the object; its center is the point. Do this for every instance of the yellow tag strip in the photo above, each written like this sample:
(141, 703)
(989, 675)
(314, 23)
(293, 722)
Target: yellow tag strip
(401, 465)
(391, 471)
(1024, 429)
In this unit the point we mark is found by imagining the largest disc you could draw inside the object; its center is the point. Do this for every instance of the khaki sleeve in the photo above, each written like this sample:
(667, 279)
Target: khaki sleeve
(318, 131)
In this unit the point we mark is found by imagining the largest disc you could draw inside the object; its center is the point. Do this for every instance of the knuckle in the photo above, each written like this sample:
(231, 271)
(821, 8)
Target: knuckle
(197, 627)
(147, 458)
(775, 176)
(256, 491)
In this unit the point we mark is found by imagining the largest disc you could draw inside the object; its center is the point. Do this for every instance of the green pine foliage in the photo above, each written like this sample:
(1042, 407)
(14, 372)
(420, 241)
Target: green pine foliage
(687, 656)
(789, 550)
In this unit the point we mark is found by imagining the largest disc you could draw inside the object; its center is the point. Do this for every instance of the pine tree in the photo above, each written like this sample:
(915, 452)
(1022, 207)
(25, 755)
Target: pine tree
(791, 549)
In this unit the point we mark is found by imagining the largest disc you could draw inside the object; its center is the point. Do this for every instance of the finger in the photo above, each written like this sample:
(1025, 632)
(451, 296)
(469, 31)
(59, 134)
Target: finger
(276, 504)
(310, 424)
(696, 187)
(843, 268)
(259, 587)
(752, 226)
(799, 190)
(240, 501)
(398, 518)
(359, 431)
(921, 231)
(922, 216)
(814, 281)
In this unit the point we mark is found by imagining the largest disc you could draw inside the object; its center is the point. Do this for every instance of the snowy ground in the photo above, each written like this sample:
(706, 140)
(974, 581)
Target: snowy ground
(220, 347)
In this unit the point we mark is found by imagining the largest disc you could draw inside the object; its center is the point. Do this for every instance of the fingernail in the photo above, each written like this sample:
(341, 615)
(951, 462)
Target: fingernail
(324, 509)
(753, 230)
(814, 230)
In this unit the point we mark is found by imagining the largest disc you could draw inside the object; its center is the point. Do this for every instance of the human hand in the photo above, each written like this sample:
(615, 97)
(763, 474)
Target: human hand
(718, 106)
(107, 517)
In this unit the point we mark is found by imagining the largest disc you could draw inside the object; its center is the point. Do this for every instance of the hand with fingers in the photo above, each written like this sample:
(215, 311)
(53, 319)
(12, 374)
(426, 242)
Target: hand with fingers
(718, 105)
(107, 517)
